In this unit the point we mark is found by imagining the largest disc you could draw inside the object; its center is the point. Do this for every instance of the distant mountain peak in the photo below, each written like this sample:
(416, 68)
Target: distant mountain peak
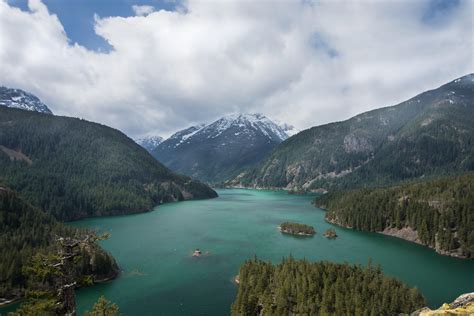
(149, 142)
(246, 121)
(289, 129)
(17, 98)
(215, 151)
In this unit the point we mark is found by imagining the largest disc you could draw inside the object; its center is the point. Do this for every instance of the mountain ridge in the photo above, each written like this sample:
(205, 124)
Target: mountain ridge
(430, 133)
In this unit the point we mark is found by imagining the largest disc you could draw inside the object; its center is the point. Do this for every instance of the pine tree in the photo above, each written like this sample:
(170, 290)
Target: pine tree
(103, 307)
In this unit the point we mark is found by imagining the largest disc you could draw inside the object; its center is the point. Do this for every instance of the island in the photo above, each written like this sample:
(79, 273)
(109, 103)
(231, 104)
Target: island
(296, 229)
(330, 233)
(197, 253)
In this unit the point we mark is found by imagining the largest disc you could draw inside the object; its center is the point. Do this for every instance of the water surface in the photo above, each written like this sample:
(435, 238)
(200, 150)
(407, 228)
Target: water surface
(160, 278)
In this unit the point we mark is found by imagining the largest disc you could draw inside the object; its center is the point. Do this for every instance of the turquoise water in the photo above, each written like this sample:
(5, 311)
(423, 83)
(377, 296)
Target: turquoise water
(160, 278)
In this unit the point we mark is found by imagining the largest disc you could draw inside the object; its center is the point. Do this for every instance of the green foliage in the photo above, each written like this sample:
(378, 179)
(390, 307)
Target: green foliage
(103, 307)
(320, 288)
(429, 135)
(36, 307)
(73, 168)
(441, 211)
(296, 228)
(27, 238)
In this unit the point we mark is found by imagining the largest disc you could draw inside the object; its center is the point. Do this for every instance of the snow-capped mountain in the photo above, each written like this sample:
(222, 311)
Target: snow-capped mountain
(149, 142)
(17, 98)
(216, 151)
(289, 130)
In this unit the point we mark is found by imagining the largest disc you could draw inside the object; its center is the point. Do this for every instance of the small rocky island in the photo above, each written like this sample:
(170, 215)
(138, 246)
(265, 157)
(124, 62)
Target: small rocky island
(198, 253)
(330, 233)
(296, 229)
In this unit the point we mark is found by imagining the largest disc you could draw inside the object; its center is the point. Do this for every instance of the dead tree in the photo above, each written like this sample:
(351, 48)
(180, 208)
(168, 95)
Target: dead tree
(70, 248)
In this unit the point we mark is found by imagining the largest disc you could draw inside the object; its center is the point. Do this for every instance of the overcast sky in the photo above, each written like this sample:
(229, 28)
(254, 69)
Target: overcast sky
(153, 67)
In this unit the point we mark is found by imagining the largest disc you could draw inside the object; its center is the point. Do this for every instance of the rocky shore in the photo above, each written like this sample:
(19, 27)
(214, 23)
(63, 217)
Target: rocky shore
(463, 305)
(408, 234)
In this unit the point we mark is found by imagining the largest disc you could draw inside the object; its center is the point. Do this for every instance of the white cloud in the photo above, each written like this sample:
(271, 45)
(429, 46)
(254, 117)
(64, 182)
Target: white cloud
(300, 62)
(142, 10)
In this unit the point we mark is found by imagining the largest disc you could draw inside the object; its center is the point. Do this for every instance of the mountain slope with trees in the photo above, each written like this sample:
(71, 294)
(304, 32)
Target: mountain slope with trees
(437, 213)
(72, 168)
(430, 134)
(26, 231)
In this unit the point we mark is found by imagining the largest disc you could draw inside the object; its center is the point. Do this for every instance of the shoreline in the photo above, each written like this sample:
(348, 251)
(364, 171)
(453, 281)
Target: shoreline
(124, 213)
(278, 189)
(398, 233)
(5, 303)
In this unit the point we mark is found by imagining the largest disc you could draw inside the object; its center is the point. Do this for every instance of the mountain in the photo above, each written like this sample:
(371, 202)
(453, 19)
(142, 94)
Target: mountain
(430, 134)
(16, 98)
(289, 130)
(217, 151)
(150, 142)
(436, 213)
(26, 231)
(73, 168)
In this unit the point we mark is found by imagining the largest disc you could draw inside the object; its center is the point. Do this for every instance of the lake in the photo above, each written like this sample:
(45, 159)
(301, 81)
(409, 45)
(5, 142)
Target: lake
(161, 278)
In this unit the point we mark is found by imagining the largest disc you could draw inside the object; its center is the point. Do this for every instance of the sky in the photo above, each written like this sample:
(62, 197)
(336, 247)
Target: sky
(153, 67)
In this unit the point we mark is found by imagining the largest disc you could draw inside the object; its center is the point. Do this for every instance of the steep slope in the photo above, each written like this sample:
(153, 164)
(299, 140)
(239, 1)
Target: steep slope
(26, 231)
(432, 133)
(435, 213)
(150, 143)
(217, 151)
(73, 168)
(17, 98)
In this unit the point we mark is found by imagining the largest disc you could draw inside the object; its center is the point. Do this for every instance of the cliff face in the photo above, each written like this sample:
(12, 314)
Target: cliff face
(463, 305)
(409, 234)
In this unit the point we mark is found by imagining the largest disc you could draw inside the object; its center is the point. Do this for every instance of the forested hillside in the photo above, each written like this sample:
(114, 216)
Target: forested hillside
(320, 288)
(26, 231)
(73, 168)
(436, 213)
(430, 134)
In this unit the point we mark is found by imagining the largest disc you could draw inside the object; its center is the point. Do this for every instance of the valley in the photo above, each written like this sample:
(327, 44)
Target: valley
(239, 158)
(65, 169)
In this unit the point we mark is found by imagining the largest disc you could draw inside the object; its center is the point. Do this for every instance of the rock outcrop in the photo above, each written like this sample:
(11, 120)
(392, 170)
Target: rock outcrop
(463, 305)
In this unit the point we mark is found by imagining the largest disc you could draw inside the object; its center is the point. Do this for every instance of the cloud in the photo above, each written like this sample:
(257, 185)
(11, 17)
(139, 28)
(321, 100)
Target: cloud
(301, 62)
(142, 10)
